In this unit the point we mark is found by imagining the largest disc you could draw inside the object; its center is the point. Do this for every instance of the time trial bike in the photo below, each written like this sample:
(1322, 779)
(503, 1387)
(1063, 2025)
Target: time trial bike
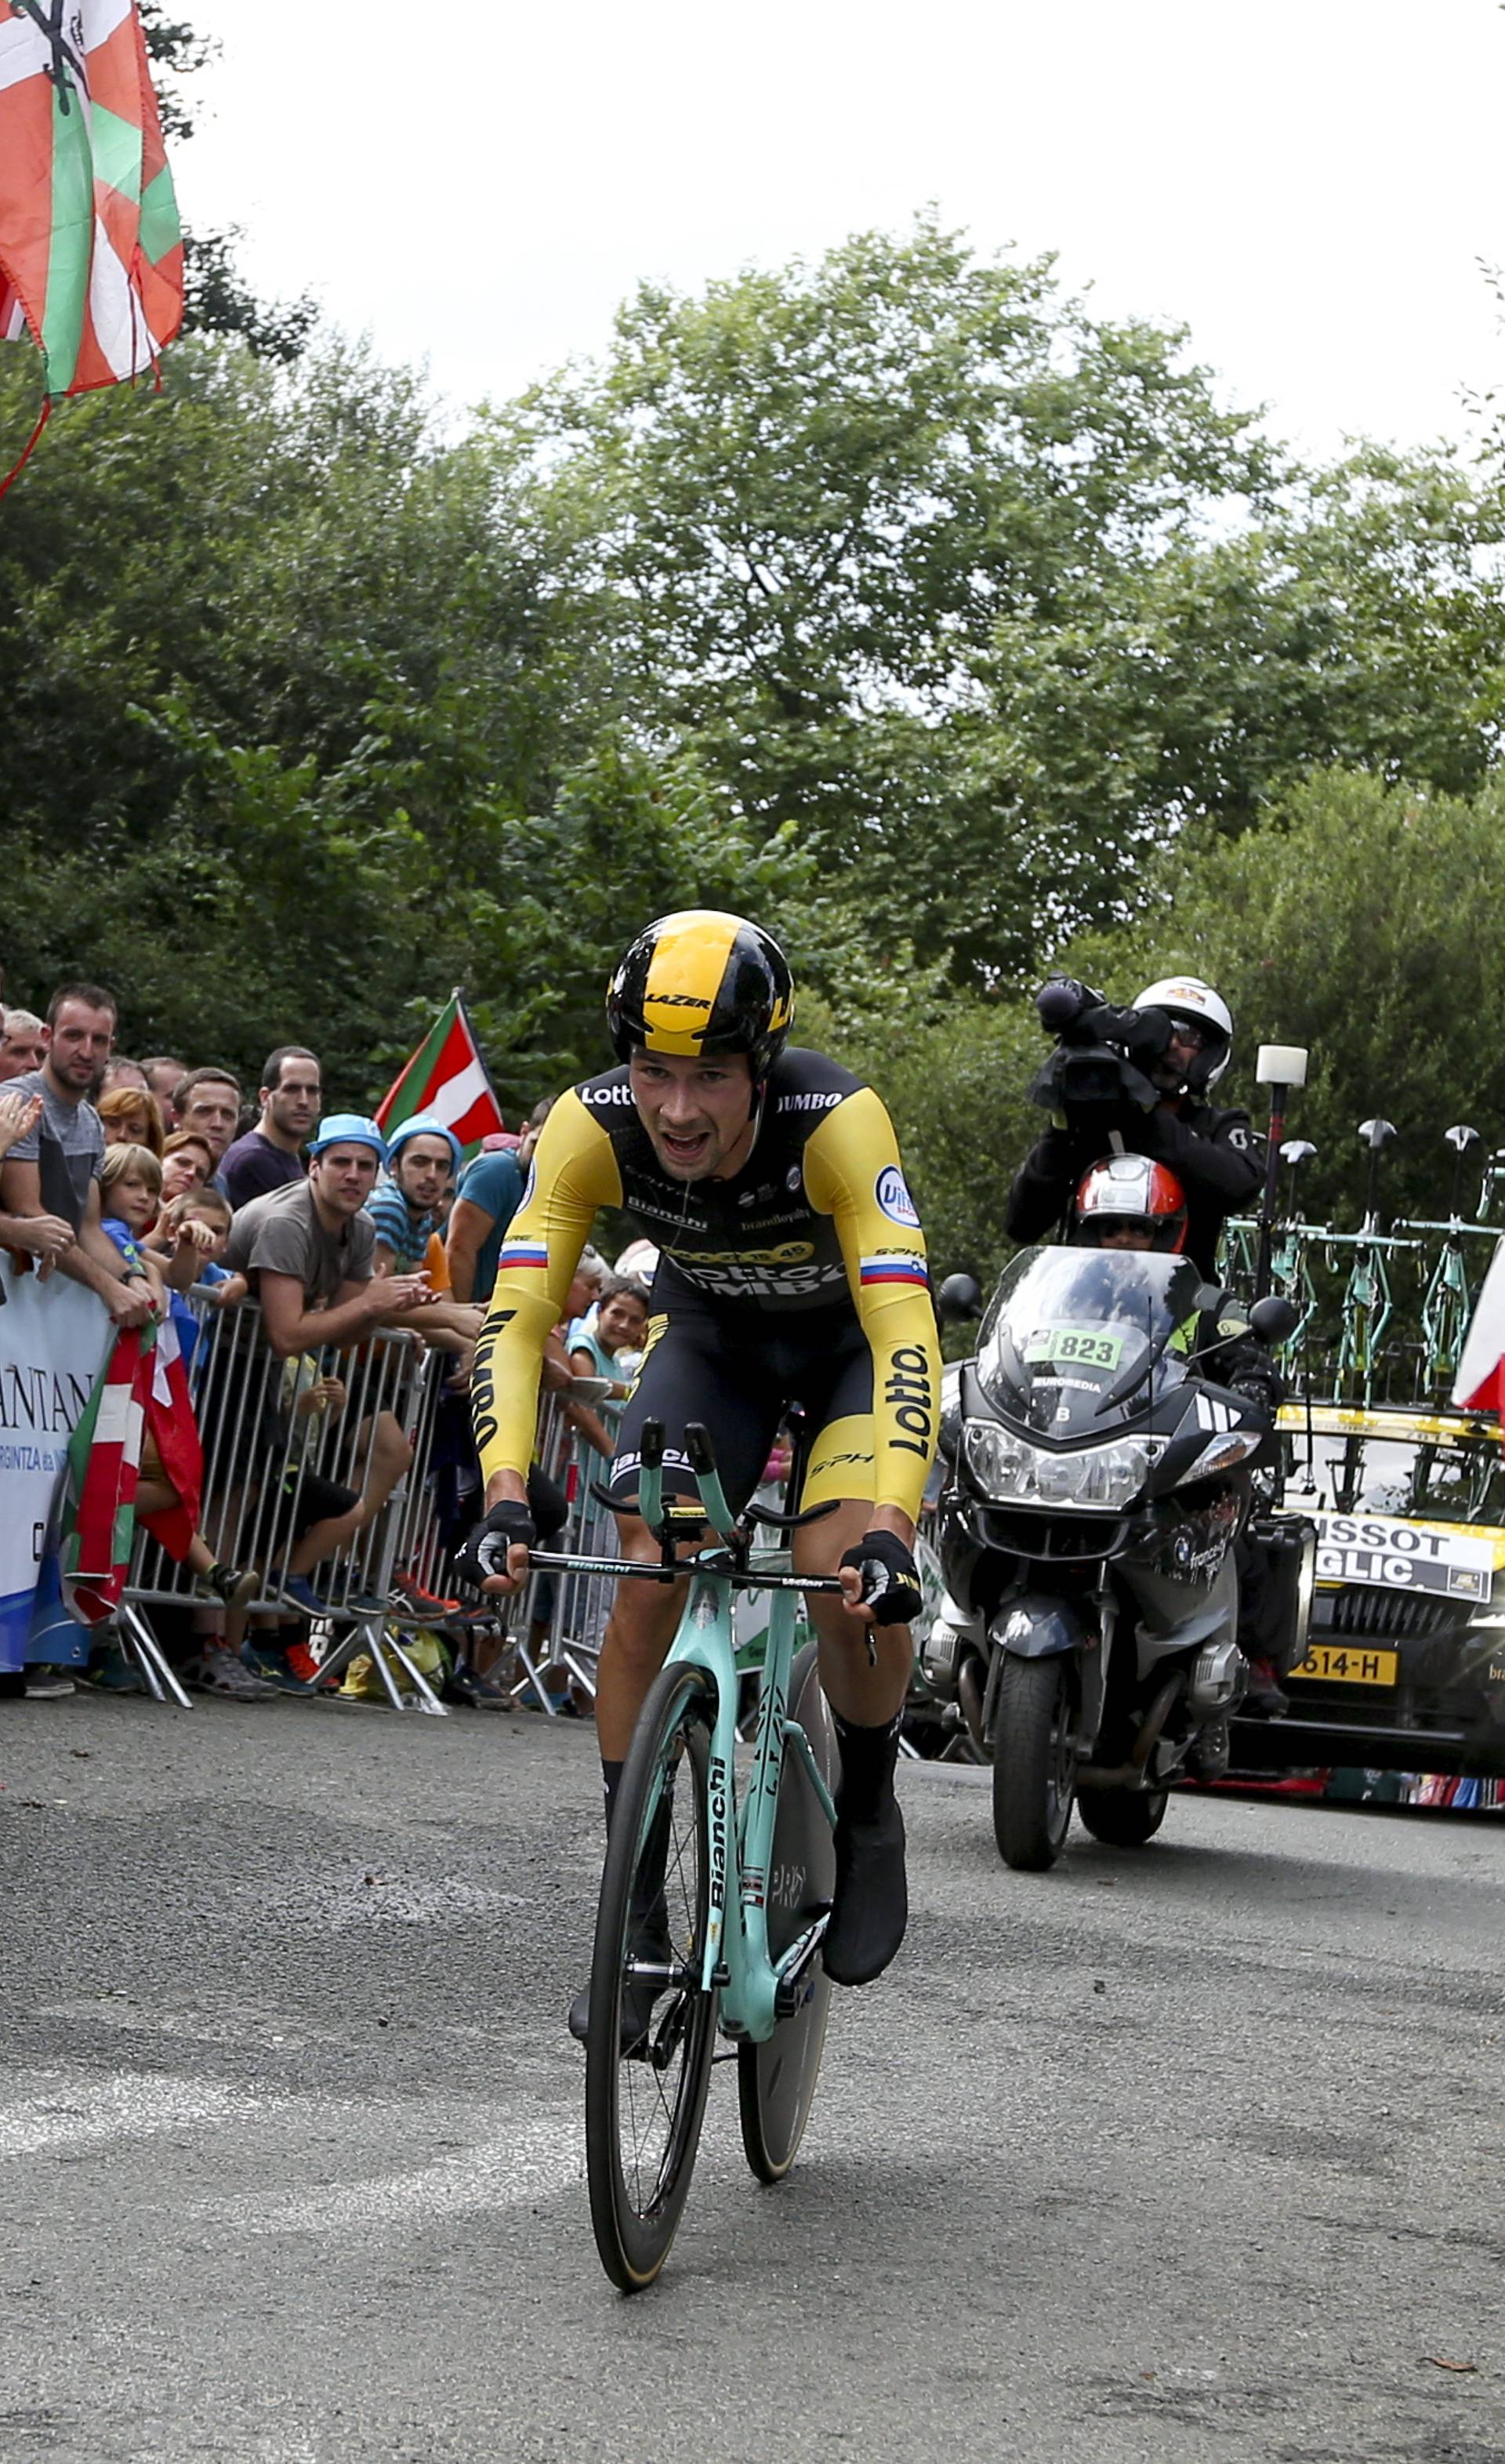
(717, 1884)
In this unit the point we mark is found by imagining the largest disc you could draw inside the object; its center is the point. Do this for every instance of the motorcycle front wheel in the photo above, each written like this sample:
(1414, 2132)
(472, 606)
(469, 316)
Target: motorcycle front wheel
(1123, 1817)
(1034, 1761)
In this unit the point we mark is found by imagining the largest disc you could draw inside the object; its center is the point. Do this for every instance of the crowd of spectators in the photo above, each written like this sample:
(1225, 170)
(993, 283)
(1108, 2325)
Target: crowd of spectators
(143, 1180)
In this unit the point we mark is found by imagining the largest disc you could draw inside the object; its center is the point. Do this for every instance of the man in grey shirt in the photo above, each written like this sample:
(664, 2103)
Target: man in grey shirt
(50, 1180)
(308, 1251)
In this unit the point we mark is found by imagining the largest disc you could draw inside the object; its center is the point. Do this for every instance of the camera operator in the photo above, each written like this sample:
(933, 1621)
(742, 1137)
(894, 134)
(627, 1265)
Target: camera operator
(1136, 1081)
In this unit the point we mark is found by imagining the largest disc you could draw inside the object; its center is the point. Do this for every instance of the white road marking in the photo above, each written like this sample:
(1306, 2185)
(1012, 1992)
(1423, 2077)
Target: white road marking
(535, 2159)
(70, 2108)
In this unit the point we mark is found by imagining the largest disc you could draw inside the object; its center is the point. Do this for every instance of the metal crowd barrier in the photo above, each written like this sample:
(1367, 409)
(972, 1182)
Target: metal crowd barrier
(268, 1438)
(270, 1434)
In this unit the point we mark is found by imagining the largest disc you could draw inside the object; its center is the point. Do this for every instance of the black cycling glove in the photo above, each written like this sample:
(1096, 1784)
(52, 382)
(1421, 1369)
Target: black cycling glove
(890, 1577)
(485, 1552)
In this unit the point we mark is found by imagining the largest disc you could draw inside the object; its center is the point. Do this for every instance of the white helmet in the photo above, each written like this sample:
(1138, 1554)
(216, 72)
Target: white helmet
(1188, 998)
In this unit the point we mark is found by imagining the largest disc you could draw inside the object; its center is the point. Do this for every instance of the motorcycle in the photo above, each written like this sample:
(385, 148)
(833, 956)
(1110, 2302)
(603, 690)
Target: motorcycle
(1099, 1480)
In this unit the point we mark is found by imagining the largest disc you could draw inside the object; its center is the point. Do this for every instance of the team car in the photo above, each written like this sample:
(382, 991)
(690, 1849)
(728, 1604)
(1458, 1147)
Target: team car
(1405, 1669)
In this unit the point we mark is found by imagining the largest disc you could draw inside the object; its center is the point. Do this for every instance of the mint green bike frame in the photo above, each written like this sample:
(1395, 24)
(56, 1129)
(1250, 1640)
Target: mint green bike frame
(756, 1991)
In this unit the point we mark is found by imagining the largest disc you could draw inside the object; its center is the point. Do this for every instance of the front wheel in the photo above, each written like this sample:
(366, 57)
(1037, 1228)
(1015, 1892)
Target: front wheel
(777, 2079)
(652, 2030)
(1034, 1761)
(1123, 1817)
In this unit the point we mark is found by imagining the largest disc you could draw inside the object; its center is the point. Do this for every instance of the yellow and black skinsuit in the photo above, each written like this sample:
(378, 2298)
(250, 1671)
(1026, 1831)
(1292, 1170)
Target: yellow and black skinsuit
(800, 1279)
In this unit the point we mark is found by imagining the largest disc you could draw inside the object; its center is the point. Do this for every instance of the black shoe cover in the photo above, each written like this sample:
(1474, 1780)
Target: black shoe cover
(871, 1906)
(636, 2000)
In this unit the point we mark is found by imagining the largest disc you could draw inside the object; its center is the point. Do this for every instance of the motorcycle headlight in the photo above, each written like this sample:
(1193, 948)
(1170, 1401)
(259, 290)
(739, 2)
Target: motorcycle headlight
(1094, 1480)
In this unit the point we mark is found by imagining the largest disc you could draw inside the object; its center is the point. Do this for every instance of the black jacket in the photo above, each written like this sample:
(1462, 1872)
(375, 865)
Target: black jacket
(1213, 1154)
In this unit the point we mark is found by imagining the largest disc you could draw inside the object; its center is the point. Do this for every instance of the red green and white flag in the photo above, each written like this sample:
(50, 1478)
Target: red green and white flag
(91, 251)
(445, 1076)
(142, 1386)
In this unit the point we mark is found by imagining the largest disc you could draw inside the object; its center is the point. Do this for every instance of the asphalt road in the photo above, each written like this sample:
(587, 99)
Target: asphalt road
(1190, 2154)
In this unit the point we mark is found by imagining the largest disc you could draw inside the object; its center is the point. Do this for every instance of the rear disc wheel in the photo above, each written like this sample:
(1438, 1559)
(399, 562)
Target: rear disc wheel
(777, 2079)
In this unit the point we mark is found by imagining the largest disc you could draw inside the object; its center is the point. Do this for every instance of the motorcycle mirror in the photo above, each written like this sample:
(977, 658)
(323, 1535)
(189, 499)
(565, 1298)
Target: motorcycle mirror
(959, 1297)
(1273, 1319)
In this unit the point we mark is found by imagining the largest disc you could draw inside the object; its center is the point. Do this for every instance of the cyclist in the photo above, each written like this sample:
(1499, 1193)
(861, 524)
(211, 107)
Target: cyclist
(1210, 1150)
(792, 1269)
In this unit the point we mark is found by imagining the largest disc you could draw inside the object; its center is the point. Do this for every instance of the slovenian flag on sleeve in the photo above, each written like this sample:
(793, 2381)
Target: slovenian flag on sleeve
(447, 1077)
(1480, 1383)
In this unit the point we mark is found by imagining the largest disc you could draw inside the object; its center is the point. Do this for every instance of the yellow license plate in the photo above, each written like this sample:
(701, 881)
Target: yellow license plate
(1349, 1665)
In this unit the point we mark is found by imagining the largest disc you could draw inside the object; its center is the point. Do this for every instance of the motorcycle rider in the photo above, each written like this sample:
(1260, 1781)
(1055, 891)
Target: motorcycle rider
(1130, 1202)
(1210, 1151)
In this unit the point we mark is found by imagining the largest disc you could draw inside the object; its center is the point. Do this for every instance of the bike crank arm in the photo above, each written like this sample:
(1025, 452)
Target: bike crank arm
(795, 1982)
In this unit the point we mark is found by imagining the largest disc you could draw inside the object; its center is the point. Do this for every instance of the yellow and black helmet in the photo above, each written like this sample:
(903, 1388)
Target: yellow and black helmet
(702, 984)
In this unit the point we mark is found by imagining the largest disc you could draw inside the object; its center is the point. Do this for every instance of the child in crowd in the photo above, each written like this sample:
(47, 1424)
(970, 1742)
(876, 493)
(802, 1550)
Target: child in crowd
(614, 1347)
(130, 1194)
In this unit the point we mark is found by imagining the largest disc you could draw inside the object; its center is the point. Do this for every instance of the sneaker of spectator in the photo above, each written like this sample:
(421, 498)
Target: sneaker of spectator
(129, 1118)
(208, 1100)
(288, 1667)
(23, 1043)
(111, 1669)
(45, 1684)
(218, 1671)
(163, 1074)
(271, 1155)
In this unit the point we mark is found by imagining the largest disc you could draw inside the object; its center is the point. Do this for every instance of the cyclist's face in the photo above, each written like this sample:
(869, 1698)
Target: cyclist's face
(697, 1113)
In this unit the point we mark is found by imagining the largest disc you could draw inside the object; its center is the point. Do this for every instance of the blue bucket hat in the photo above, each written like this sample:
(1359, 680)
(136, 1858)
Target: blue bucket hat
(425, 1124)
(347, 1129)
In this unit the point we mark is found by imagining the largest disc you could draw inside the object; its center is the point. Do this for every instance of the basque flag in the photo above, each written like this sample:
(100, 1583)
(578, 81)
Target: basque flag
(447, 1077)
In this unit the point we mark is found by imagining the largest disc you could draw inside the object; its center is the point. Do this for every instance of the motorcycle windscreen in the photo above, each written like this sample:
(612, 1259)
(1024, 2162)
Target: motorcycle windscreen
(1067, 1328)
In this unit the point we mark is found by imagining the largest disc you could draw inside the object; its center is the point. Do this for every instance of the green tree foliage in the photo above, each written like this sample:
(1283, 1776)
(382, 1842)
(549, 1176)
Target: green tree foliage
(818, 496)
(991, 599)
(1367, 923)
(305, 727)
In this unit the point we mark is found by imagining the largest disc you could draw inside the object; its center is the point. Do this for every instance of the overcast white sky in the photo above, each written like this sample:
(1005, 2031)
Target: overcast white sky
(1308, 184)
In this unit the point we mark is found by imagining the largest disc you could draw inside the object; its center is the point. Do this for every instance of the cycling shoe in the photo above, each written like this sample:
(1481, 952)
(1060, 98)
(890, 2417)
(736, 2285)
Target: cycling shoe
(636, 1999)
(871, 1902)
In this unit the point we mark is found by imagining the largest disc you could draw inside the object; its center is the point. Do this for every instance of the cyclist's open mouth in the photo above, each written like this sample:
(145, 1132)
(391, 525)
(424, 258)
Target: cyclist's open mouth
(684, 1147)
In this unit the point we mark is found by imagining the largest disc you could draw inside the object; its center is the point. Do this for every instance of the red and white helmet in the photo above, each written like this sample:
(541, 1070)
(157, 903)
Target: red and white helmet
(1200, 1005)
(1130, 1190)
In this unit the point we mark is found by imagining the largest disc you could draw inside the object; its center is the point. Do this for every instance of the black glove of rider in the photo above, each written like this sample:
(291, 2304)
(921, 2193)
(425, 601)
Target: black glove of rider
(505, 1526)
(890, 1577)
